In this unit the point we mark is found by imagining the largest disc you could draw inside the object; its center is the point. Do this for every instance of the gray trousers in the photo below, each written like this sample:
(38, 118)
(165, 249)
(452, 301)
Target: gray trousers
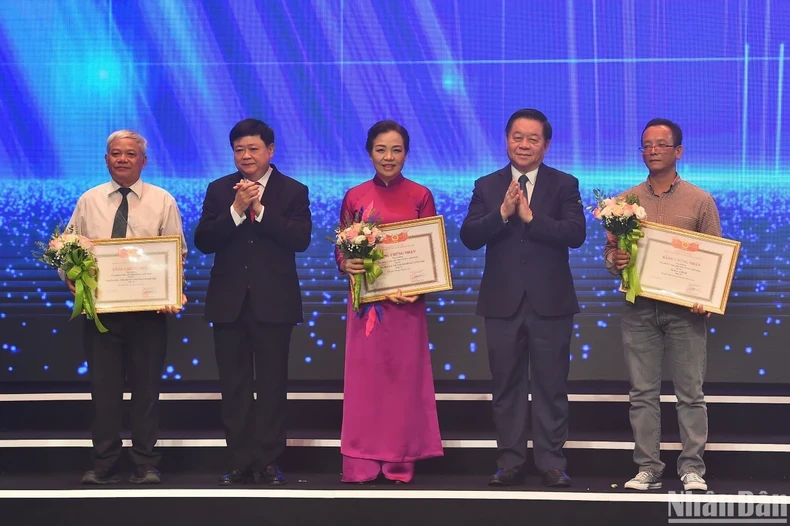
(655, 332)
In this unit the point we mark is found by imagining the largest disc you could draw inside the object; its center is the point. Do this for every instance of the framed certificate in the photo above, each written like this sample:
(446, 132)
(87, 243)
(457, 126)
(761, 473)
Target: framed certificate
(138, 274)
(415, 260)
(685, 267)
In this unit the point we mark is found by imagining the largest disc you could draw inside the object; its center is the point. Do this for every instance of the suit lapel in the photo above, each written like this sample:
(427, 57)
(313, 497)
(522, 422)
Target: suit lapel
(231, 182)
(503, 180)
(541, 191)
(273, 188)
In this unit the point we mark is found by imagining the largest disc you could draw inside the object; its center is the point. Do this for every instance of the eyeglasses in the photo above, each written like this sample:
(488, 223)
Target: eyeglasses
(660, 147)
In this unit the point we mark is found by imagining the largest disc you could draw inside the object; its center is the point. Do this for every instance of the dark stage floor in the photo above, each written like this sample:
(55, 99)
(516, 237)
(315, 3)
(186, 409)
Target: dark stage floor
(429, 482)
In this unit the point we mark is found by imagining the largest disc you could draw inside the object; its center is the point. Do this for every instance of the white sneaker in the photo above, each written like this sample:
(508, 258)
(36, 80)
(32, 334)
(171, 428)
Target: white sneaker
(692, 481)
(644, 480)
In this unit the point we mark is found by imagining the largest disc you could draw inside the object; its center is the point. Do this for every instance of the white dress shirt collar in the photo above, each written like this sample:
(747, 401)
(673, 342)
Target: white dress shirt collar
(265, 179)
(137, 187)
(532, 175)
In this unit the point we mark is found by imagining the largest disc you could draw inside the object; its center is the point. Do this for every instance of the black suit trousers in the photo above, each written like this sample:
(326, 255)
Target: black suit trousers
(254, 429)
(522, 349)
(133, 349)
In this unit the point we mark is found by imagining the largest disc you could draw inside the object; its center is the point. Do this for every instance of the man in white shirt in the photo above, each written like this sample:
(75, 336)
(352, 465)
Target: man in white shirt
(134, 346)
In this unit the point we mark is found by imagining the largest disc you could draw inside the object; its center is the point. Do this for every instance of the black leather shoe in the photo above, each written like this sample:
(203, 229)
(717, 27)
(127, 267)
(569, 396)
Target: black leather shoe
(236, 476)
(146, 474)
(271, 476)
(100, 477)
(556, 478)
(507, 477)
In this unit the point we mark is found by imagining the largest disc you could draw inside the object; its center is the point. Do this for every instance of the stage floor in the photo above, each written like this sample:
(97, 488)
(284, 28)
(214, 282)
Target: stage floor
(323, 482)
(320, 498)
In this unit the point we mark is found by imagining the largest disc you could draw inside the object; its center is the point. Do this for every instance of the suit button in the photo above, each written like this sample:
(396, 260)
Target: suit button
(250, 241)
(522, 261)
(523, 240)
(245, 267)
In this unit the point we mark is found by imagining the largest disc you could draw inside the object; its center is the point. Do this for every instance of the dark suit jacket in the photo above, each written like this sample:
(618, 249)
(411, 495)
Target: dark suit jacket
(529, 258)
(261, 256)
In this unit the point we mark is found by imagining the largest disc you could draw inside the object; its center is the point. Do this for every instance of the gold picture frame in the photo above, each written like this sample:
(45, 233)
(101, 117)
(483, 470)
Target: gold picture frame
(138, 274)
(416, 260)
(685, 267)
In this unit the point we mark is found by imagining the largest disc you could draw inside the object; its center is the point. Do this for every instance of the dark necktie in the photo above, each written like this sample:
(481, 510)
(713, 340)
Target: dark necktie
(522, 183)
(121, 215)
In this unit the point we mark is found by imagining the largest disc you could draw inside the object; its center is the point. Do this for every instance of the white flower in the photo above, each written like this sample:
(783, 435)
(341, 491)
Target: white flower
(628, 211)
(366, 231)
(607, 211)
(617, 211)
(358, 240)
(640, 213)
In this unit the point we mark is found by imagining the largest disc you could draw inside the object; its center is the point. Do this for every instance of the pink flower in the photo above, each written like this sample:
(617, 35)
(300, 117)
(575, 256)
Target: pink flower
(597, 214)
(86, 243)
(351, 233)
(371, 239)
(56, 244)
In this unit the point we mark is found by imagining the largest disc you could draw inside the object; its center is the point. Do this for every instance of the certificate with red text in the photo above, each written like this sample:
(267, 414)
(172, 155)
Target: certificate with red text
(138, 274)
(415, 260)
(685, 267)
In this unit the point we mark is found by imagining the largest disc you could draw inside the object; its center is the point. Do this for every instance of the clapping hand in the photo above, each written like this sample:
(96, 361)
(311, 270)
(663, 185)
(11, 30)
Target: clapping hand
(523, 209)
(510, 202)
(246, 194)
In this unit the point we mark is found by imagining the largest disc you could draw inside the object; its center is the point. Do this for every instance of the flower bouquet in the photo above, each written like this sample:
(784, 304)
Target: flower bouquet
(357, 237)
(73, 254)
(622, 216)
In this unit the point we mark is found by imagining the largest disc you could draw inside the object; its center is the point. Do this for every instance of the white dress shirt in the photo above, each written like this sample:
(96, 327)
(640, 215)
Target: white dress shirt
(153, 212)
(532, 177)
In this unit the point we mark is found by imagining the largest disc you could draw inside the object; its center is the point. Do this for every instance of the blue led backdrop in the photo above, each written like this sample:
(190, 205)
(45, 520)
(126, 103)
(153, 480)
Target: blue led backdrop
(320, 72)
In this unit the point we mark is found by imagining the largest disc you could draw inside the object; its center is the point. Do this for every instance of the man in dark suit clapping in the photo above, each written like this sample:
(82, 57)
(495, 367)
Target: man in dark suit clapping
(254, 221)
(527, 215)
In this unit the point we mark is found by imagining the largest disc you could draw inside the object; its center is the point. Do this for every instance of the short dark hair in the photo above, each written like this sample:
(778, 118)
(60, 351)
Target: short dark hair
(252, 127)
(677, 133)
(384, 127)
(532, 114)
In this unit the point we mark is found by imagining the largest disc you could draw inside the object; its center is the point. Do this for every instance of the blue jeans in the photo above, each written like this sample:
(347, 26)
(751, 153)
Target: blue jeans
(655, 332)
